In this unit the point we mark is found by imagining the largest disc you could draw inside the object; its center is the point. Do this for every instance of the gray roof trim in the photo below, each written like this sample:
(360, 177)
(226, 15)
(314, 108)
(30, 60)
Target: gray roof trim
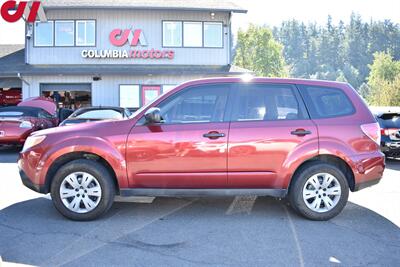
(187, 5)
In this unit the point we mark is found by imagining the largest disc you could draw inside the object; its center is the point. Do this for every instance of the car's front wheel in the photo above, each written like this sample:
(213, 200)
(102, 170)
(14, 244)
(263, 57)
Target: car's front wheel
(319, 191)
(82, 190)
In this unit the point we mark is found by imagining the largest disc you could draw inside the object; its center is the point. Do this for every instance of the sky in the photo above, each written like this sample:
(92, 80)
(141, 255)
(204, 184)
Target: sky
(273, 13)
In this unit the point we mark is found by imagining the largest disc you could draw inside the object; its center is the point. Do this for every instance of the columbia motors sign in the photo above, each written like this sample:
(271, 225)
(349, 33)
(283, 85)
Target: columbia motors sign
(135, 38)
(11, 11)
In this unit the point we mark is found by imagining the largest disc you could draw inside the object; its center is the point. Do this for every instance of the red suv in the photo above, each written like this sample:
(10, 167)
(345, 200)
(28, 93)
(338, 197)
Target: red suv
(310, 141)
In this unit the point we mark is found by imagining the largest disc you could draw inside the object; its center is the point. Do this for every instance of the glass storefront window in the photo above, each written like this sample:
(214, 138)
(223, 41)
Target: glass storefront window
(193, 34)
(212, 34)
(85, 33)
(64, 33)
(172, 33)
(129, 96)
(44, 33)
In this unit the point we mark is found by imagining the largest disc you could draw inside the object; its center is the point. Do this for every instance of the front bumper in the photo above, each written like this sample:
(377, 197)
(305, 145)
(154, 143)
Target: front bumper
(28, 183)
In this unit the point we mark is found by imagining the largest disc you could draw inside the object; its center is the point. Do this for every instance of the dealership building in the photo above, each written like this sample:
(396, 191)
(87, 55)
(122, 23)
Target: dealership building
(120, 53)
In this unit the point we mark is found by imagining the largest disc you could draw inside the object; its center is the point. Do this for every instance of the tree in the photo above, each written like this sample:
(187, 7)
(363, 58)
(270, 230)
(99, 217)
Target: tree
(258, 51)
(384, 81)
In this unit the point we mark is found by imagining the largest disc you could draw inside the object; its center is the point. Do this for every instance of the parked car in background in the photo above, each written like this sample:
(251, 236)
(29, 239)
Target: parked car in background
(10, 97)
(310, 141)
(18, 122)
(389, 121)
(92, 114)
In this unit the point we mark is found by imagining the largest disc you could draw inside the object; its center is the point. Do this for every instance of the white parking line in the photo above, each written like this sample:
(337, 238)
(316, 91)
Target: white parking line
(241, 204)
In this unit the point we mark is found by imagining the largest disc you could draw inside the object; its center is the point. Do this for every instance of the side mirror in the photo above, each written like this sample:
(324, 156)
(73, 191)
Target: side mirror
(153, 115)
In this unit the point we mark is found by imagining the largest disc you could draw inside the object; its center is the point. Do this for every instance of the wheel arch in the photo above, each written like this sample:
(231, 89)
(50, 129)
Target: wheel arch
(330, 159)
(69, 157)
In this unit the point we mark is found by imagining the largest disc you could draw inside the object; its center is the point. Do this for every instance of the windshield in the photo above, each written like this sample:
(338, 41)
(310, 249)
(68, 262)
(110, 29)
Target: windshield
(390, 120)
(100, 114)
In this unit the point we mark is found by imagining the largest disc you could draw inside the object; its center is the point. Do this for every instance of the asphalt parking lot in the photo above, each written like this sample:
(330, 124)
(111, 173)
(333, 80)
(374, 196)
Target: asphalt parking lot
(244, 231)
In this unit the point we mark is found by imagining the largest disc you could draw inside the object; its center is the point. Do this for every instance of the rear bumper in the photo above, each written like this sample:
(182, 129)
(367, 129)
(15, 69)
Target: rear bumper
(391, 149)
(368, 169)
(28, 183)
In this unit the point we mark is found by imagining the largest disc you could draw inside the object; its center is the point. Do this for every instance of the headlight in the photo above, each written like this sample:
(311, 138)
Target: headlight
(33, 141)
(26, 124)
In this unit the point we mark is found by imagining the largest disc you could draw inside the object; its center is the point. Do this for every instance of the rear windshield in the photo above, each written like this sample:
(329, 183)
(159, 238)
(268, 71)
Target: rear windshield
(100, 114)
(389, 120)
(326, 102)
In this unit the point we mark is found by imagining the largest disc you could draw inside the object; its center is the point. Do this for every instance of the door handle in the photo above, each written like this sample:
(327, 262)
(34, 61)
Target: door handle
(300, 132)
(213, 135)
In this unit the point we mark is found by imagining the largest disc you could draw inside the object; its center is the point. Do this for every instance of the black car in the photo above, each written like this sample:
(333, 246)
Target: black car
(92, 114)
(389, 121)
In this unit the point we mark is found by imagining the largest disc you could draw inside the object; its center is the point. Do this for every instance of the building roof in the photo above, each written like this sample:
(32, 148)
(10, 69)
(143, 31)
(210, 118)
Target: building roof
(14, 63)
(9, 49)
(190, 5)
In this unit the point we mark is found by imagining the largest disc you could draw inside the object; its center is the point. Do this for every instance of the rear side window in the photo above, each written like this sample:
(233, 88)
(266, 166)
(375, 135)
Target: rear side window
(326, 102)
(265, 102)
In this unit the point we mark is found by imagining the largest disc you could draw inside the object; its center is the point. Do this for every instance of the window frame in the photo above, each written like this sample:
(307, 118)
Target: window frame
(222, 33)
(35, 31)
(77, 31)
(311, 107)
(162, 34)
(302, 111)
(55, 33)
(183, 37)
(202, 33)
(75, 34)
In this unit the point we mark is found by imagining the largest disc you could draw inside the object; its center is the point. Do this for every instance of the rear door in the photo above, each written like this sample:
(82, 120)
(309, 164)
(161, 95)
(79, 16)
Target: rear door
(269, 129)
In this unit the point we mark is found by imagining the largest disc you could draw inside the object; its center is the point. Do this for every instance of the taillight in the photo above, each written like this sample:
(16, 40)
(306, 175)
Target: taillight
(388, 132)
(373, 131)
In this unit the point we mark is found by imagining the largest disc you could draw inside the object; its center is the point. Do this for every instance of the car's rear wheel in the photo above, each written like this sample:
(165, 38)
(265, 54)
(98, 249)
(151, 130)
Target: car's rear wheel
(82, 190)
(319, 191)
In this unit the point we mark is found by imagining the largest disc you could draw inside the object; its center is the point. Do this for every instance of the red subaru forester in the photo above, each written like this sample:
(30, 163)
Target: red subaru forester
(310, 141)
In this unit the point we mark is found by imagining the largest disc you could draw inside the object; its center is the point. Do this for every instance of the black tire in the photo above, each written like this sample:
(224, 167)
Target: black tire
(299, 180)
(104, 179)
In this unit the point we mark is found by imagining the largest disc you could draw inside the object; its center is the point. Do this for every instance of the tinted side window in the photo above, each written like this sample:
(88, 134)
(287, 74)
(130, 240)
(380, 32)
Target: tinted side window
(262, 102)
(44, 115)
(205, 103)
(326, 102)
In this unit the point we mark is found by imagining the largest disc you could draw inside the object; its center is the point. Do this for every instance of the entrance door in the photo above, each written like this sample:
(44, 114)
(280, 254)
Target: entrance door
(188, 149)
(269, 128)
(149, 93)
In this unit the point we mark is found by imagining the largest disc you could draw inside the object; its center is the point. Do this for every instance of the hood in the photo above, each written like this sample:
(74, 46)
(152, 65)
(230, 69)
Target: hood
(40, 102)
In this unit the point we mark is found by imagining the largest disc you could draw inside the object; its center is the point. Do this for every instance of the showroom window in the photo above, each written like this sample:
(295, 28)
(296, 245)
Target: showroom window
(85, 33)
(193, 34)
(44, 33)
(168, 87)
(64, 33)
(172, 33)
(213, 34)
(129, 96)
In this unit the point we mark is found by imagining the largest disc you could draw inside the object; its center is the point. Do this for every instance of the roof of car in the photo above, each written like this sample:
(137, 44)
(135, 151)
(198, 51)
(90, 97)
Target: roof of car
(249, 79)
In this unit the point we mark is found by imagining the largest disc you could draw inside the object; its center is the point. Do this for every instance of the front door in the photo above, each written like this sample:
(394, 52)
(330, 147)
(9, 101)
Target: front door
(189, 148)
(270, 128)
